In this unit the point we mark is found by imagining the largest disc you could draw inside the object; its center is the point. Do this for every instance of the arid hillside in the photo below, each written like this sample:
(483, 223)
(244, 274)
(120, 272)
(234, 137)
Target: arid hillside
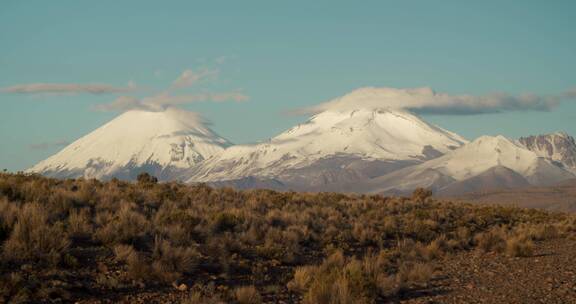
(88, 241)
(561, 197)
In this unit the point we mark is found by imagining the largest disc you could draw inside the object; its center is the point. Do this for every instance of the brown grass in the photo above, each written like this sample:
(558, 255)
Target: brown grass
(519, 246)
(247, 295)
(34, 239)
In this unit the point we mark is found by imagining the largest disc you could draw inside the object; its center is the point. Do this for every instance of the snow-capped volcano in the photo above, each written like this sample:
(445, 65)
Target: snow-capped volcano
(334, 140)
(486, 159)
(161, 143)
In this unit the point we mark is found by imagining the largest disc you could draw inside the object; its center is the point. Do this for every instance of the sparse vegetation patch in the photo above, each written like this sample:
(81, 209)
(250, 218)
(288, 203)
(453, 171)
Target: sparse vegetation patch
(75, 240)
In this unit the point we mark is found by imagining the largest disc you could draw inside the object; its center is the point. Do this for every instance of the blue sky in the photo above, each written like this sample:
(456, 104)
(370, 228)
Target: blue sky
(283, 55)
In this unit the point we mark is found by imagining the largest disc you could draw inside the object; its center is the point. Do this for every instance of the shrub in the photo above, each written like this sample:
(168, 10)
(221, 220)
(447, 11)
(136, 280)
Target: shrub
(519, 246)
(138, 268)
(417, 274)
(34, 238)
(126, 226)
(145, 178)
(388, 285)
(225, 221)
(79, 223)
(197, 297)
(302, 278)
(247, 295)
(421, 194)
(124, 253)
(170, 262)
(493, 240)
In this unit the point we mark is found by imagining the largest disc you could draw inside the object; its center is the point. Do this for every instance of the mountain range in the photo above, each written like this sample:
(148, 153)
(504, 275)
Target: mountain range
(356, 148)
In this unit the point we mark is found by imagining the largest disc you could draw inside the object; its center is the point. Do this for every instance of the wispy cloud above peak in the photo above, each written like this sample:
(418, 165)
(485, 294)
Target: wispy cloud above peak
(189, 77)
(68, 88)
(163, 101)
(167, 98)
(426, 100)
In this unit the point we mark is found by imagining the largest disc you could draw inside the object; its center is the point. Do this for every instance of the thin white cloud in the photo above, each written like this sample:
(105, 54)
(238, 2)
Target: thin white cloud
(570, 93)
(49, 145)
(166, 99)
(426, 100)
(189, 78)
(221, 59)
(122, 103)
(163, 101)
(67, 88)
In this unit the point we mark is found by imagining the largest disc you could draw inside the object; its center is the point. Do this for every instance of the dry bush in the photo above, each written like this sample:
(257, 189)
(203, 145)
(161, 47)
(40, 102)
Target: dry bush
(197, 297)
(79, 224)
(545, 232)
(388, 285)
(434, 250)
(170, 262)
(493, 240)
(8, 213)
(519, 246)
(302, 278)
(125, 226)
(225, 221)
(348, 280)
(138, 267)
(124, 253)
(34, 238)
(421, 194)
(416, 274)
(8, 216)
(247, 295)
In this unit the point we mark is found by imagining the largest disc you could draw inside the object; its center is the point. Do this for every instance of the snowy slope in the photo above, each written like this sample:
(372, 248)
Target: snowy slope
(472, 160)
(351, 135)
(160, 143)
(559, 147)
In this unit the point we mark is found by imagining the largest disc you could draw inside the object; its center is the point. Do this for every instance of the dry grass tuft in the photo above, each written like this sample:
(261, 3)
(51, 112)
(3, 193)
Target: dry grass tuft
(34, 238)
(519, 246)
(247, 295)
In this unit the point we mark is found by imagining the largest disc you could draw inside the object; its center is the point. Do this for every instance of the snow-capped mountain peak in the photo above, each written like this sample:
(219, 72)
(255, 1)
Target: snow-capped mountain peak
(486, 152)
(369, 134)
(496, 155)
(559, 147)
(158, 142)
(376, 133)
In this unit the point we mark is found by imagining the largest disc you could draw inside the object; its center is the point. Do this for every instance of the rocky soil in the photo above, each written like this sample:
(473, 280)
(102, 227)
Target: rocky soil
(473, 277)
(467, 277)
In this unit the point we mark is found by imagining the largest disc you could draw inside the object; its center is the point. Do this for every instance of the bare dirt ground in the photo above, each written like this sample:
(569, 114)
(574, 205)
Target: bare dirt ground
(560, 197)
(473, 277)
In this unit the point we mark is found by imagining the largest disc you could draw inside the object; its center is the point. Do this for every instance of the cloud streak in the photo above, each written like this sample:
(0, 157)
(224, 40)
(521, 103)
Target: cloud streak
(570, 93)
(67, 88)
(425, 100)
(189, 78)
(163, 101)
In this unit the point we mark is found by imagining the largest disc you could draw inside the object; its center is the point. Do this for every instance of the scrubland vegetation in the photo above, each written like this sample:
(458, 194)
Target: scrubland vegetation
(71, 240)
